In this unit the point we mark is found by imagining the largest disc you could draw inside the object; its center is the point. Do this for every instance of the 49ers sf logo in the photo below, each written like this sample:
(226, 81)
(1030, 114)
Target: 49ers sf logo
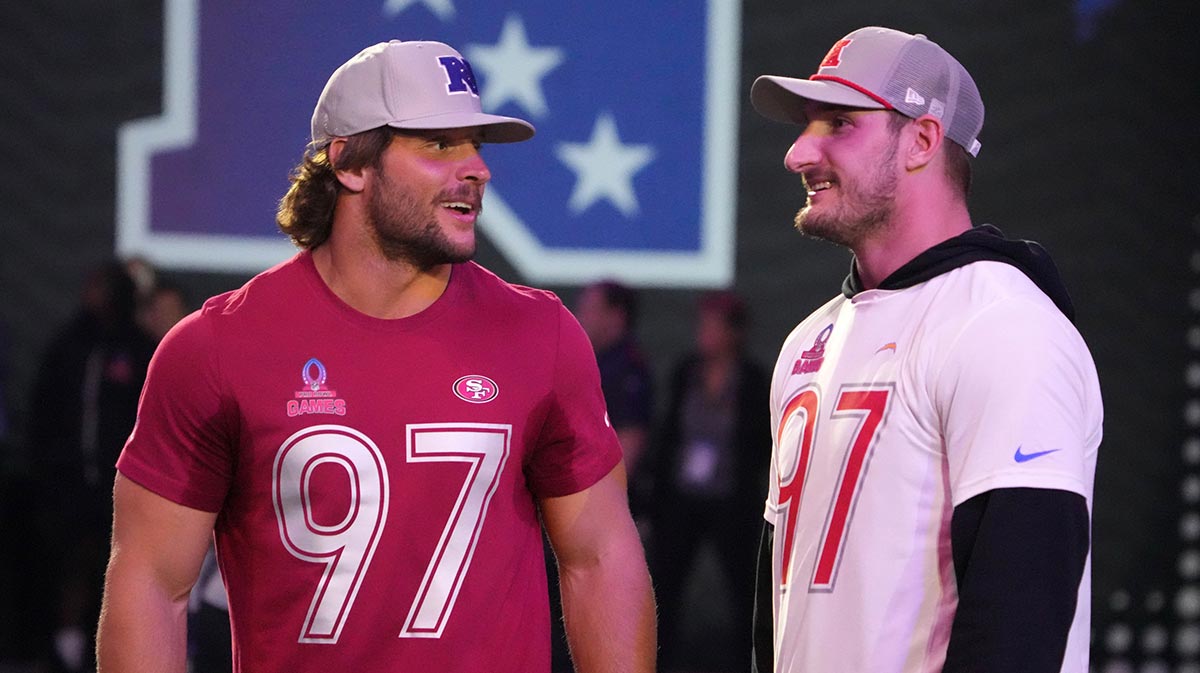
(476, 389)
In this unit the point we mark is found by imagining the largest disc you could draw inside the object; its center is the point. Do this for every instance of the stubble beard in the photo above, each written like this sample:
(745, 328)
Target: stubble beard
(865, 206)
(405, 230)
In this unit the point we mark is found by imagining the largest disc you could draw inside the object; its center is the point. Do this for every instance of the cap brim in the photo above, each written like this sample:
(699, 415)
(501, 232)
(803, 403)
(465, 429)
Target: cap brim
(496, 129)
(782, 98)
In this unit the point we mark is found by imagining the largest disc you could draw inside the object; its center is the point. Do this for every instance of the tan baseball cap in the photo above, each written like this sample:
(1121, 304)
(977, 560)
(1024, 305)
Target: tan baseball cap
(883, 69)
(408, 85)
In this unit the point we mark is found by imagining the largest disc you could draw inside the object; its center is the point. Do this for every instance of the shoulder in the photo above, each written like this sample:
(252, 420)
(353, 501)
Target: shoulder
(498, 293)
(190, 343)
(990, 302)
(985, 281)
(805, 335)
(532, 319)
(229, 316)
(263, 293)
(515, 313)
(818, 318)
(996, 328)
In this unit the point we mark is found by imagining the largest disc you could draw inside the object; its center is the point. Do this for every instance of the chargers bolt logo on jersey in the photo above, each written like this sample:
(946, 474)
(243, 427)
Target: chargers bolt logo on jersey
(316, 398)
(476, 389)
(811, 359)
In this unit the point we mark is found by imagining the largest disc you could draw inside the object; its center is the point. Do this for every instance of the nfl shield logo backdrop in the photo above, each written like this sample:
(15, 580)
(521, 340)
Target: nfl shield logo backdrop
(631, 174)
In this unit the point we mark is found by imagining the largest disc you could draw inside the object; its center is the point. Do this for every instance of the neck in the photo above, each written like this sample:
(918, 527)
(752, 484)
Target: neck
(905, 237)
(353, 267)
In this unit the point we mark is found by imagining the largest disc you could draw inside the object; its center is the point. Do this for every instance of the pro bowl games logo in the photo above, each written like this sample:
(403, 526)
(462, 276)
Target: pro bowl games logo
(631, 174)
(811, 359)
(315, 397)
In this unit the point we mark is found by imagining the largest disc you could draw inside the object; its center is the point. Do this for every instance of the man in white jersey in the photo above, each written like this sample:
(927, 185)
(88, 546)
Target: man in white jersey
(378, 428)
(936, 424)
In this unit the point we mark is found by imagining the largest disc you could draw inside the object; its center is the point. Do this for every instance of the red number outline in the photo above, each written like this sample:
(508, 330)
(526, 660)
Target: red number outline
(867, 404)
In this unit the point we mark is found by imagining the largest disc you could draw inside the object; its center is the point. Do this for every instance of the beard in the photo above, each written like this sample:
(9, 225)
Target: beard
(406, 230)
(864, 208)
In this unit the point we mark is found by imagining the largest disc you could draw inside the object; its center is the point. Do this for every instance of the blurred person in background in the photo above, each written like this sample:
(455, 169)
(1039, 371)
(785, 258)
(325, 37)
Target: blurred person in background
(607, 310)
(710, 475)
(83, 407)
(163, 305)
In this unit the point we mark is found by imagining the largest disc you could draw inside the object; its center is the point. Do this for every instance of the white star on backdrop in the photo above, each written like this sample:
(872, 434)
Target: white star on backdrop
(604, 167)
(512, 69)
(442, 9)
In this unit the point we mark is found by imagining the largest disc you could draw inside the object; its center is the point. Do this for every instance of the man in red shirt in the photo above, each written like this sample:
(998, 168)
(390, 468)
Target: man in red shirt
(378, 428)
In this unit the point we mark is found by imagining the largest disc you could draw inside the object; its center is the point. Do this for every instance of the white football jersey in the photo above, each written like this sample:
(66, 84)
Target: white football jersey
(889, 409)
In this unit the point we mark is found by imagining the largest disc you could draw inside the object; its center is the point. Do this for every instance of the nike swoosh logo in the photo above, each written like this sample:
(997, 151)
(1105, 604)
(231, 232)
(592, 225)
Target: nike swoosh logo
(1026, 457)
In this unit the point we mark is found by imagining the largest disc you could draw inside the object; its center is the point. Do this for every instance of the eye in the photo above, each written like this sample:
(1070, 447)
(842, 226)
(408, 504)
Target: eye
(841, 121)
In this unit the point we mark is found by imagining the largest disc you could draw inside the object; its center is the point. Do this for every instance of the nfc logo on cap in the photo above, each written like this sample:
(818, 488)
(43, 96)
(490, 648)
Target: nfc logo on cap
(460, 77)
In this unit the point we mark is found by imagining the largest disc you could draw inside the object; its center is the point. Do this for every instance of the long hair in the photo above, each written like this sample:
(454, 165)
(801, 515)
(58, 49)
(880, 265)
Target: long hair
(305, 212)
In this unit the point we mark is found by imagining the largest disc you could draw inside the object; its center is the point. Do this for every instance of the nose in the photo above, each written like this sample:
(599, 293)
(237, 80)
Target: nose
(802, 153)
(474, 169)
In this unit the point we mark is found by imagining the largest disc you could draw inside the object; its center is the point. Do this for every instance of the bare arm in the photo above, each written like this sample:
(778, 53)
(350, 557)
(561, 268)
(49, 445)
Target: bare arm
(608, 605)
(157, 549)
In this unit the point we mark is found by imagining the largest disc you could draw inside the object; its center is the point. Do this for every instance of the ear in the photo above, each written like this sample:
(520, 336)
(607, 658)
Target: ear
(927, 136)
(352, 180)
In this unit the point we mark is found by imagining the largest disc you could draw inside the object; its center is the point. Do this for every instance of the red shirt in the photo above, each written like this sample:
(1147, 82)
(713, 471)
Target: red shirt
(376, 480)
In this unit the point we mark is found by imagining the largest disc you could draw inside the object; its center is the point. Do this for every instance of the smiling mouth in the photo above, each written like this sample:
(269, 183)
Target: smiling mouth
(461, 207)
(819, 187)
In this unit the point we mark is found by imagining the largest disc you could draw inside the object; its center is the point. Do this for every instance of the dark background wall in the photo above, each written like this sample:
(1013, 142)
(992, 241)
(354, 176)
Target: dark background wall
(1090, 146)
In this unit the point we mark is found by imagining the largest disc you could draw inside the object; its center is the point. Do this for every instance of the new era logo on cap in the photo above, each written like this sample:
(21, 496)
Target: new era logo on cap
(881, 68)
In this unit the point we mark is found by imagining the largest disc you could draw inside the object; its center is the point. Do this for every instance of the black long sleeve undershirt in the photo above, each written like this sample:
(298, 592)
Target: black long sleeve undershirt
(1019, 555)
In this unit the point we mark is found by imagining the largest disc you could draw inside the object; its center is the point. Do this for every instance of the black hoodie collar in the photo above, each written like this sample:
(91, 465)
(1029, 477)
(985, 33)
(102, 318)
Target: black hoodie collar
(981, 243)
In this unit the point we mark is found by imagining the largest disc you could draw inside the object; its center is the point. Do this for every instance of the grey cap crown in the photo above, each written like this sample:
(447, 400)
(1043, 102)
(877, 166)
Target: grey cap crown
(408, 85)
(882, 68)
